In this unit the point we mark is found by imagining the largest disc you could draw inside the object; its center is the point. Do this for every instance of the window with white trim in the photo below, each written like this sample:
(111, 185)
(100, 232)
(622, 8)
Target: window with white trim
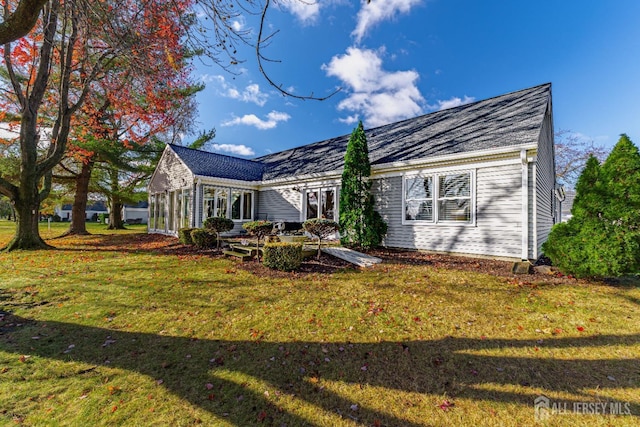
(241, 208)
(454, 197)
(236, 204)
(320, 203)
(186, 207)
(443, 197)
(418, 199)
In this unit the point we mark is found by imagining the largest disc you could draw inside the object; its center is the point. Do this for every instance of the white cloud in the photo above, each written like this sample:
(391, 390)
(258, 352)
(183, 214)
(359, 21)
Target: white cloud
(349, 120)
(251, 93)
(238, 25)
(240, 149)
(272, 120)
(380, 96)
(374, 12)
(307, 11)
(452, 102)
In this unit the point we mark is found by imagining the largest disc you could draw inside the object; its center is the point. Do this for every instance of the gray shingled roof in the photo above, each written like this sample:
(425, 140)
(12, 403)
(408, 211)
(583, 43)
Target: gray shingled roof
(204, 163)
(507, 120)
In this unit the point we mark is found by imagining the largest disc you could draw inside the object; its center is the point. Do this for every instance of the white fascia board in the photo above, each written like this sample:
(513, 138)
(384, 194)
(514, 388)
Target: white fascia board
(470, 157)
(302, 179)
(236, 183)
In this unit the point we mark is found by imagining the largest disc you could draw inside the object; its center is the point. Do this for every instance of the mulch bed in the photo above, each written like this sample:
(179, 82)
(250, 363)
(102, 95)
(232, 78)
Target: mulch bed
(328, 264)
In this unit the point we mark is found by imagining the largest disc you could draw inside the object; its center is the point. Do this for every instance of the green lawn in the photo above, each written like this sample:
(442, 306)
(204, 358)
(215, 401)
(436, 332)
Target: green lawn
(111, 329)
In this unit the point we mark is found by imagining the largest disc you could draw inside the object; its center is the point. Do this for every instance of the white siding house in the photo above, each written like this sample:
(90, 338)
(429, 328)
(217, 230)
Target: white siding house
(475, 179)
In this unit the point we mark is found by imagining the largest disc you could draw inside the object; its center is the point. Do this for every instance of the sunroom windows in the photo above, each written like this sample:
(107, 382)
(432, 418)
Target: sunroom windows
(227, 203)
(442, 197)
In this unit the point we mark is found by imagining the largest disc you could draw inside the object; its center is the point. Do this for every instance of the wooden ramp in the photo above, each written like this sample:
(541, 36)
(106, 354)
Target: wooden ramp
(349, 255)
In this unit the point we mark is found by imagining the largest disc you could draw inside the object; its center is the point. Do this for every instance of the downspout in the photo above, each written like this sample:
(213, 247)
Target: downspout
(525, 204)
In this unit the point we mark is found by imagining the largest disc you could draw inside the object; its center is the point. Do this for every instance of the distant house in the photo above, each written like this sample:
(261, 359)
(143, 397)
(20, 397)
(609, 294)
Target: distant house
(91, 212)
(136, 213)
(567, 205)
(475, 179)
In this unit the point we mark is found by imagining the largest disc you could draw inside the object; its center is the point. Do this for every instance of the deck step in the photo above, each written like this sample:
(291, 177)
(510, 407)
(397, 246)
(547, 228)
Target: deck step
(241, 255)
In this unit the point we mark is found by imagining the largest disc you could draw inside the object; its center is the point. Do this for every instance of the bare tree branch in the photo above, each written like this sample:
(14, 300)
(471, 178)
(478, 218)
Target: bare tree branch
(260, 43)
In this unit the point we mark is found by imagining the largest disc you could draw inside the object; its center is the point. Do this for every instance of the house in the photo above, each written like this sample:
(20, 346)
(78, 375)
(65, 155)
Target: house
(91, 212)
(474, 179)
(567, 205)
(137, 213)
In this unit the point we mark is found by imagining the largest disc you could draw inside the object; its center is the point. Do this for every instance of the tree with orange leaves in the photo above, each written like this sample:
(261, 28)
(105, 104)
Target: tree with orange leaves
(51, 73)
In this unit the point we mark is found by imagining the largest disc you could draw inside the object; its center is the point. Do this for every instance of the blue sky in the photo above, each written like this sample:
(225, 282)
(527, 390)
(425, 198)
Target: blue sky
(396, 59)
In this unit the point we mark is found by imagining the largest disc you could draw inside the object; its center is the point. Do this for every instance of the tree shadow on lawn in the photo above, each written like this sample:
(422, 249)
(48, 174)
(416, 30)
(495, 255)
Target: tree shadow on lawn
(294, 370)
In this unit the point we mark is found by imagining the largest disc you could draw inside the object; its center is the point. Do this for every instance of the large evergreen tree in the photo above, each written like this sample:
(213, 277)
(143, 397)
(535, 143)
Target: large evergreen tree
(602, 238)
(360, 224)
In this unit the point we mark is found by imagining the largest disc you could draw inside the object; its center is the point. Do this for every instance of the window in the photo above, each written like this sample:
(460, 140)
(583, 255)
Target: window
(208, 200)
(160, 223)
(448, 201)
(152, 212)
(221, 203)
(419, 199)
(227, 203)
(247, 206)
(328, 204)
(312, 204)
(241, 208)
(454, 197)
(186, 208)
(320, 203)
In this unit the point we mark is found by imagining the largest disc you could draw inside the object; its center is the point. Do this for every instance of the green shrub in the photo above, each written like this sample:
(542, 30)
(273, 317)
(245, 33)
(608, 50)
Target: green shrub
(218, 225)
(283, 256)
(602, 238)
(184, 235)
(203, 238)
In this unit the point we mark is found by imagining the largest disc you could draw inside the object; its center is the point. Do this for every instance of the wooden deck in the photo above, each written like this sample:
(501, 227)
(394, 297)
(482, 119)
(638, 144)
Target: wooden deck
(354, 257)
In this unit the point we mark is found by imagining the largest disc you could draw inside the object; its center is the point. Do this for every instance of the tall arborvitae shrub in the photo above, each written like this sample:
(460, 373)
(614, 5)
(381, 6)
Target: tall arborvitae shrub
(602, 238)
(360, 224)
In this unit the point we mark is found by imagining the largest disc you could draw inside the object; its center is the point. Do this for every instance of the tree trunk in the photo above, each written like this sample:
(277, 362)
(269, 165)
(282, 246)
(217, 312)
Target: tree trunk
(27, 214)
(78, 224)
(115, 217)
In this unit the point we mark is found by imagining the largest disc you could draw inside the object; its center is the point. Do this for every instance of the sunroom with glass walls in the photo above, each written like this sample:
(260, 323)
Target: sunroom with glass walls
(225, 202)
(170, 211)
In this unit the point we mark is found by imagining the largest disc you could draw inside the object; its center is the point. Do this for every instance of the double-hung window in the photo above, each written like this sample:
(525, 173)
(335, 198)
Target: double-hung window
(443, 197)
(418, 202)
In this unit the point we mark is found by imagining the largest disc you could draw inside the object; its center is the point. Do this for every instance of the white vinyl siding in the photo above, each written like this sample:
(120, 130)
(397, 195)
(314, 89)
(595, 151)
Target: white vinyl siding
(545, 203)
(497, 226)
(282, 204)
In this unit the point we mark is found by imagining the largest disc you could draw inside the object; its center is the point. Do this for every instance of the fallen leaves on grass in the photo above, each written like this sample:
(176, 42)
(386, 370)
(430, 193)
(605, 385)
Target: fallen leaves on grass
(446, 405)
